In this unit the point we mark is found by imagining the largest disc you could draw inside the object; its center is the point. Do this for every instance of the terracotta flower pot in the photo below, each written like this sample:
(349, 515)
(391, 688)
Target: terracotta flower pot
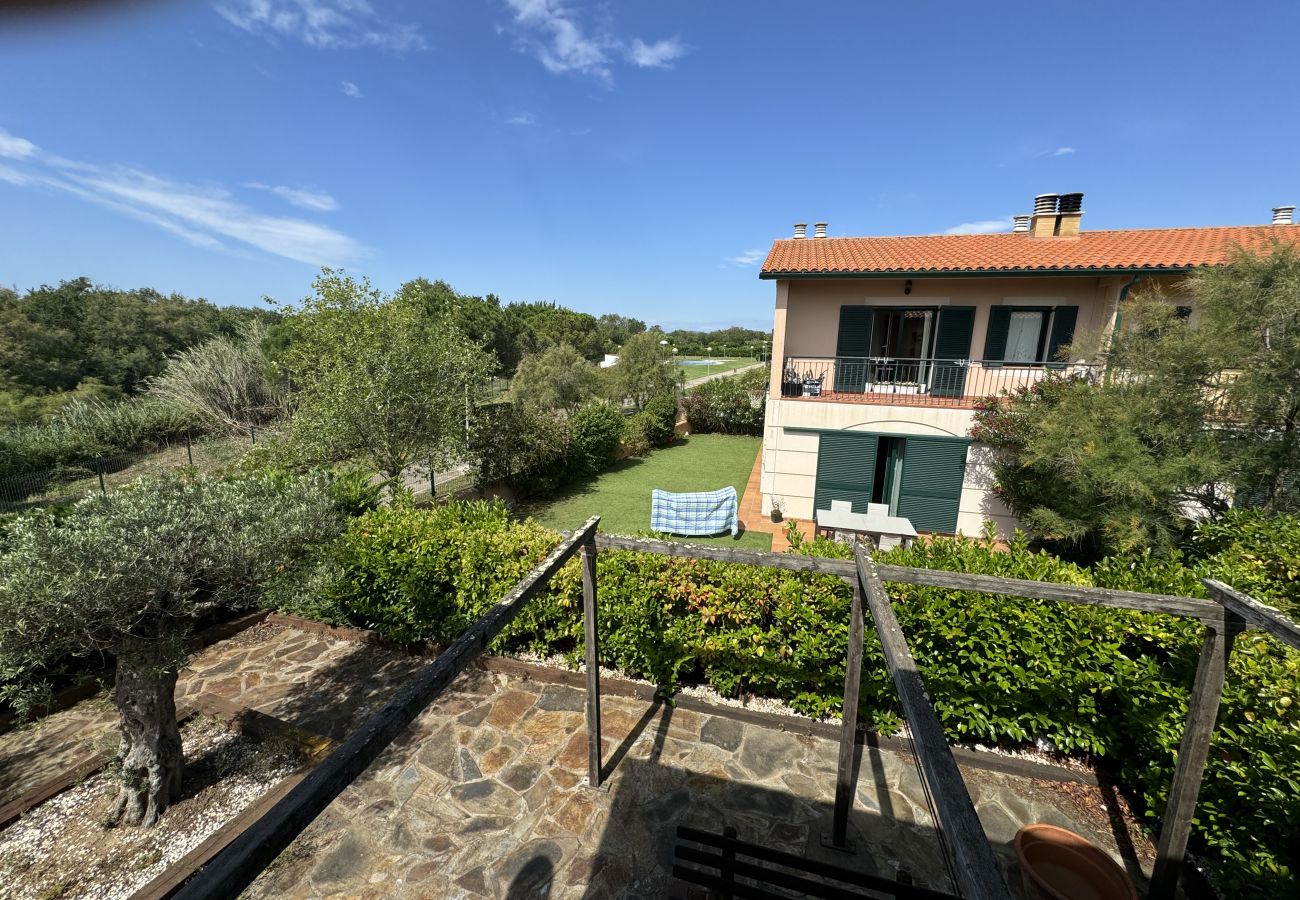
(1056, 864)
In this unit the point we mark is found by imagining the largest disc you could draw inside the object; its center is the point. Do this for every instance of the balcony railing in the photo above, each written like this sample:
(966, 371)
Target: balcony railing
(914, 382)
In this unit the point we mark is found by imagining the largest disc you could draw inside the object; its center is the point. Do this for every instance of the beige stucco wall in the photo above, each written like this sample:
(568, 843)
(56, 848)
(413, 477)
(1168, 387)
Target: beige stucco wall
(806, 325)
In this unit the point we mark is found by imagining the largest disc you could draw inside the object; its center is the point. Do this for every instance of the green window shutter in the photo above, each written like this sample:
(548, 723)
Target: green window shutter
(854, 341)
(1063, 322)
(933, 470)
(846, 467)
(952, 341)
(995, 341)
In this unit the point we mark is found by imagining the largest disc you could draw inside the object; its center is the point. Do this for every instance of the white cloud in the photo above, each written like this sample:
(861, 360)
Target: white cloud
(1062, 151)
(557, 36)
(199, 214)
(302, 198)
(748, 258)
(14, 147)
(523, 119)
(983, 226)
(658, 55)
(351, 90)
(322, 23)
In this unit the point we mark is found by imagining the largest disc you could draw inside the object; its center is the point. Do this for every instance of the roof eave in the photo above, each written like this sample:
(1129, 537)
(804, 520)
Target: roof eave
(777, 275)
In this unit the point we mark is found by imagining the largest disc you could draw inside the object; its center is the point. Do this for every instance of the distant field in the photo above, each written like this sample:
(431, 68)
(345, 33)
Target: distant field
(621, 495)
(693, 368)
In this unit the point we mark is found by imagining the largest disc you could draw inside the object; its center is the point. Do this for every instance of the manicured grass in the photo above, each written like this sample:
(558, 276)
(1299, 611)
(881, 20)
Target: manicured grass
(621, 495)
(720, 364)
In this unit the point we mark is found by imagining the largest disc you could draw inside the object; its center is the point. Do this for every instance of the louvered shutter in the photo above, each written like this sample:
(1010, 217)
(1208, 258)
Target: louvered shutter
(952, 342)
(852, 347)
(1063, 322)
(933, 470)
(846, 468)
(995, 340)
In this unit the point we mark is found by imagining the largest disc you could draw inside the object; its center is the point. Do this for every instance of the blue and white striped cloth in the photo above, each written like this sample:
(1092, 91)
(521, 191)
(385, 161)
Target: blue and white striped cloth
(707, 512)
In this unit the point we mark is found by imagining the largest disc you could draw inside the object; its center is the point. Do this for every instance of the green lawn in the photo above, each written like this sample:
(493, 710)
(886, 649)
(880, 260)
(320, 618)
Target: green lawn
(720, 364)
(621, 495)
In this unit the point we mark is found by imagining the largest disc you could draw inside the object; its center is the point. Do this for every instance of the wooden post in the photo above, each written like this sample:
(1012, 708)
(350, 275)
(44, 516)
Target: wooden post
(846, 774)
(99, 470)
(189, 449)
(1202, 710)
(591, 638)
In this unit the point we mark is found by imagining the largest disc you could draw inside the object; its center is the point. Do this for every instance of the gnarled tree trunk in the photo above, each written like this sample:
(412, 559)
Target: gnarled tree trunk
(152, 761)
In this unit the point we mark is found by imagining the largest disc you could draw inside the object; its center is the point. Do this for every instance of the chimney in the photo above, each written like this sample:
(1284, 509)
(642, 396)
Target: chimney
(1022, 225)
(1283, 215)
(1070, 211)
(819, 229)
(800, 229)
(1043, 222)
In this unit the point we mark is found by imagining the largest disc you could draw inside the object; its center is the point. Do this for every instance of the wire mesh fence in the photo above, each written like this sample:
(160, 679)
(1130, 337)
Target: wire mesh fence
(101, 473)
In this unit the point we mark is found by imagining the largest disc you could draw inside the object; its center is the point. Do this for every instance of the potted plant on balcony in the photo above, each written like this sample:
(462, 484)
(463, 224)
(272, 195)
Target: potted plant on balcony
(778, 507)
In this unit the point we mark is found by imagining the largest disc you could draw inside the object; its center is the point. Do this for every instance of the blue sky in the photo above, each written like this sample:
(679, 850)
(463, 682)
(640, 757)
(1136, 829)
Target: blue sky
(633, 157)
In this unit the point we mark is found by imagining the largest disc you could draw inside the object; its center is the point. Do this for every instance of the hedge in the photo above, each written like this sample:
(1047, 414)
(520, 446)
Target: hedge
(1107, 684)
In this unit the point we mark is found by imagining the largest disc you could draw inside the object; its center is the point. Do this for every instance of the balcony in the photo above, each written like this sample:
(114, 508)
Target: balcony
(891, 381)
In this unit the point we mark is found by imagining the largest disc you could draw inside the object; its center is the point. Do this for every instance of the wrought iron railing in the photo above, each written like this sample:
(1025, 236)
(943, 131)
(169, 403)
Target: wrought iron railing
(929, 382)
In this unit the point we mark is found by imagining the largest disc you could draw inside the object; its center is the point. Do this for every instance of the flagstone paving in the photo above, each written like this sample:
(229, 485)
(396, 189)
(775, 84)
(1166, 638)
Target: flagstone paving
(484, 796)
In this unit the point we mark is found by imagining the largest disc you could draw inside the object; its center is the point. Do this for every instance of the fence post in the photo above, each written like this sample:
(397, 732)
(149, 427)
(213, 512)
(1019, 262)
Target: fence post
(252, 434)
(99, 470)
(1193, 751)
(592, 640)
(846, 775)
(189, 450)
(433, 482)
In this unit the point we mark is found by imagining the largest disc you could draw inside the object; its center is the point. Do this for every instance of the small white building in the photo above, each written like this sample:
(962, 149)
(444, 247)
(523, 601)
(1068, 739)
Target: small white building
(609, 360)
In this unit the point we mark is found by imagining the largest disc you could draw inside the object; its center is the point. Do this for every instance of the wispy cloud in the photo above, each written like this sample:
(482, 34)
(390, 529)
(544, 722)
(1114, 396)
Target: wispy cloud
(322, 23)
(201, 215)
(524, 119)
(351, 90)
(659, 55)
(563, 42)
(983, 226)
(302, 198)
(748, 258)
(1062, 151)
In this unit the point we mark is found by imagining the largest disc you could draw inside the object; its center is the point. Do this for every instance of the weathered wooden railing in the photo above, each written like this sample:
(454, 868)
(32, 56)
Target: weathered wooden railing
(976, 874)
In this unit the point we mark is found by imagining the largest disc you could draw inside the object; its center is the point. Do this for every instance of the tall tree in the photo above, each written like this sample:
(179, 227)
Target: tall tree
(129, 574)
(556, 379)
(643, 371)
(379, 376)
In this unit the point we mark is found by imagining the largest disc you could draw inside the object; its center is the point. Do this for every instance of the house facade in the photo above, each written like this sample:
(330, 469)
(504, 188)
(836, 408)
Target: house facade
(884, 346)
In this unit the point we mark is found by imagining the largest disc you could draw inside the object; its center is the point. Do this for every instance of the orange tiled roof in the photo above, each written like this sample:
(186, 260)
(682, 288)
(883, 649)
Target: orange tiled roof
(1157, 249)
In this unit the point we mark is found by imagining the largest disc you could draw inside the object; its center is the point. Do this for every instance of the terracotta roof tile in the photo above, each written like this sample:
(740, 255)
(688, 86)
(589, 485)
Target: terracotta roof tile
(1155, 249)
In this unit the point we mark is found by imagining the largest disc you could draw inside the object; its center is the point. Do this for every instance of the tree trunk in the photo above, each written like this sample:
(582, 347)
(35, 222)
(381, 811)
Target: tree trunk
(151, 757)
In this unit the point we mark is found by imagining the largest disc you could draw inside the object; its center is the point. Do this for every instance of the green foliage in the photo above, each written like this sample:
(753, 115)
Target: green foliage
(733, 341)
(537, 326)
(520, 447)
(653, 427)
(558, 378)
(129, 573)
(379, 377)
(594, 435)
(642, 371)
(1255, 553)
(225, 383)
(727, 405)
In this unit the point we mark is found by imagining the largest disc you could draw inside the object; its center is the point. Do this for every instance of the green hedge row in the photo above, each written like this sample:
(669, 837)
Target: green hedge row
(1110, 684)
(727, 405)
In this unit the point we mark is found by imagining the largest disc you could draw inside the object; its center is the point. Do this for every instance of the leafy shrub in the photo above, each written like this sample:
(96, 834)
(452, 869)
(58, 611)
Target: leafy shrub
(594, 434)
(727, 405)
(660, 420)
(1254, 552)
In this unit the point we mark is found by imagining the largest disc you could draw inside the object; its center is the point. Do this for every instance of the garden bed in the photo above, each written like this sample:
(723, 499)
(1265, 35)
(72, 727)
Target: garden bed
(62, 848)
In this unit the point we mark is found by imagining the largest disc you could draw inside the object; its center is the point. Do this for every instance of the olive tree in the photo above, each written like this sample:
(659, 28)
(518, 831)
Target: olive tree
(558, 378)
(129, 575)
(642, 371)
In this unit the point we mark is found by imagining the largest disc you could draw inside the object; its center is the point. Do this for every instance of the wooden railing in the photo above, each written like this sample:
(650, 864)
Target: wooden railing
(974, 871)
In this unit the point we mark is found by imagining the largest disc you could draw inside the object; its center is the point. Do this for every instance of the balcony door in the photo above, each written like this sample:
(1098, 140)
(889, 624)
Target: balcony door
(901, 349)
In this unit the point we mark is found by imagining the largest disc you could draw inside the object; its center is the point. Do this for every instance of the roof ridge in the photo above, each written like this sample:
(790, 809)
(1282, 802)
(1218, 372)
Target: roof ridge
(1017, 234)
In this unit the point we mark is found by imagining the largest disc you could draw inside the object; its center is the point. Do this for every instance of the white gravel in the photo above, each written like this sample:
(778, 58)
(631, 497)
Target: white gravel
(61, 849)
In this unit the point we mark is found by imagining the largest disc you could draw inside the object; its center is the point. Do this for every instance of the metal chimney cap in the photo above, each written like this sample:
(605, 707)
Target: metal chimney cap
(1284, 215)
(1071, 203)
(819, 229)
(801, 229)
(1021, 224)
(1045, 204)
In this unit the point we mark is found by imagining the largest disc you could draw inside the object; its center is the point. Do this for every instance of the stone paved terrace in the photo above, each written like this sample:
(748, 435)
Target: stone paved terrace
(484, 797)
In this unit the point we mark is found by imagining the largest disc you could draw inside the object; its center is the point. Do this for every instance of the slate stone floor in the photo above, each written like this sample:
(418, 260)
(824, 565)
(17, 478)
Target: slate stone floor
(485, 797)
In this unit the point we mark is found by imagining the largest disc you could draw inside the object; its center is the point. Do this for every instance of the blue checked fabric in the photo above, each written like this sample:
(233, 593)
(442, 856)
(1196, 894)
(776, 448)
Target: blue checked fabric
(707, 512)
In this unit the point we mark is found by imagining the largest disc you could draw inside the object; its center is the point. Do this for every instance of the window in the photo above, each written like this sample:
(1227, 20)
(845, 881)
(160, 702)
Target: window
(1025, 335)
